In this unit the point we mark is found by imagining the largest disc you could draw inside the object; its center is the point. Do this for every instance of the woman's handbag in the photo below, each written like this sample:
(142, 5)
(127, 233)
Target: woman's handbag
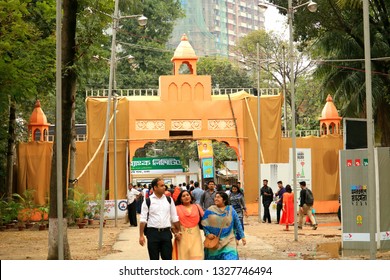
(212, 243)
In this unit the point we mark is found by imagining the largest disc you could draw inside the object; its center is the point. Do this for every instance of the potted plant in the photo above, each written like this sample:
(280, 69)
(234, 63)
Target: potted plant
(28, 206)
(43, 210)
(96, 204)
(90, 213)
(10, 213)
(78, 206)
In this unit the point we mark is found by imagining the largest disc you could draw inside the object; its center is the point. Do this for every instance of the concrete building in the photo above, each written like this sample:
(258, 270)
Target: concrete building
(215, 26)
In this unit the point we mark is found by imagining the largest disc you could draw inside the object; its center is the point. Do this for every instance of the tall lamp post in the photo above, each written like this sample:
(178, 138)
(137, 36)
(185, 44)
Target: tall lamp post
(258, 129)
(312, 7)
(142, 20)
(370, 132)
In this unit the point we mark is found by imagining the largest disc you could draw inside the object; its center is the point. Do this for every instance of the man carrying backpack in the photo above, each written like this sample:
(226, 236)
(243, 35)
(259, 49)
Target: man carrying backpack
(159, 215)
(306, 205)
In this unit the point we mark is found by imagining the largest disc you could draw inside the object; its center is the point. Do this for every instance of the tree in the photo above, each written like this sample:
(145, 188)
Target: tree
(223, 73)
(275, 71)
(145, 43)
(335, 32)
(26, 68)
(81, 36)
(186, 150)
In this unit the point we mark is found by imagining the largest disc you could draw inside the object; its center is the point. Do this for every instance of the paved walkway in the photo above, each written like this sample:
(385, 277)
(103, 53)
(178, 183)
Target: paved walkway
(127, 246)
(258, 246)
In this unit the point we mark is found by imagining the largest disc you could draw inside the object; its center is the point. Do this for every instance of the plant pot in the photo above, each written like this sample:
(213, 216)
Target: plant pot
(29, 225)
(21, 228)
(90, 221)
(81, 225)
(42, 227)
(2, 228)
(8, 226)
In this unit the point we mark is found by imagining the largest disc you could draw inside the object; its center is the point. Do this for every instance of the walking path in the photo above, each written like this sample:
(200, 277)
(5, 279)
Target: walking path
(127, 246)
(264, 241)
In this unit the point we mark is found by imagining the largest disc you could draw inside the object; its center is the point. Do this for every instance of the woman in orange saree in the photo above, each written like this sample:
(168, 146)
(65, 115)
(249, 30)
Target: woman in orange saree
(288, 208)
(189, 246)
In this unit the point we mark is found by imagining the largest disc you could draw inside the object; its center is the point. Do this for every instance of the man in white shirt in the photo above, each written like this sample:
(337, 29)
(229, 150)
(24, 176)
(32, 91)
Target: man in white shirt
(132, 196)
(159, 216)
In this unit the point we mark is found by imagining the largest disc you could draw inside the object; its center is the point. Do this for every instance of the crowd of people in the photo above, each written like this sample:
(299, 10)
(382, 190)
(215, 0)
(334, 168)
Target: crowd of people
(186, 212)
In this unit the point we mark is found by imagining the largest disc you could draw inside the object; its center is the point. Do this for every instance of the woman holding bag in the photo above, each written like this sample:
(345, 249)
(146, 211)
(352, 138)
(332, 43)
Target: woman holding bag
(221, 221)
(187, 244)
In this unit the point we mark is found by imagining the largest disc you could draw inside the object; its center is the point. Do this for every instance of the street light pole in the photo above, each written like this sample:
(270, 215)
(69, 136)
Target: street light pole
(312, 7)
(290, 14)
(258, 133)
(370, 132)
(115, 20)
(142, 20)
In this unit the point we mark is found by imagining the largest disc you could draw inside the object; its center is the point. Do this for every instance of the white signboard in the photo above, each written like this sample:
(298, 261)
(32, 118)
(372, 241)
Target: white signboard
(362, 237)
(109, 206)
(303, 163)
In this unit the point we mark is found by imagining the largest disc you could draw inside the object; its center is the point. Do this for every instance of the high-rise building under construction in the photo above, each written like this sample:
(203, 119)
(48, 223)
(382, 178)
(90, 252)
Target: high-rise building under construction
(214, 26)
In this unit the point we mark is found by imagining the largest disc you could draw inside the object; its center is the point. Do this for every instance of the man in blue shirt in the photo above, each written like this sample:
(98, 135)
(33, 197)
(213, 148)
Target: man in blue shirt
(279, 200)
(197, 192)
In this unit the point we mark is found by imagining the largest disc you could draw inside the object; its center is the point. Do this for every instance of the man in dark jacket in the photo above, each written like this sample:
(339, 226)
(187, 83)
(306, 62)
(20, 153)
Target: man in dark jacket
(268, 196)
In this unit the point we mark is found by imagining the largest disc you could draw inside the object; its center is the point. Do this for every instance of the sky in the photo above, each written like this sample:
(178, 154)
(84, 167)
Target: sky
(275, 22)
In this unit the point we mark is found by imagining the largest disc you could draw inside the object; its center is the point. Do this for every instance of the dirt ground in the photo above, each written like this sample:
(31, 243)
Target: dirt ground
(264, 241)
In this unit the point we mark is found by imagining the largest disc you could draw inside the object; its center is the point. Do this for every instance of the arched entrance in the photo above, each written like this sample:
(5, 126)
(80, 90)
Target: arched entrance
(186, 108)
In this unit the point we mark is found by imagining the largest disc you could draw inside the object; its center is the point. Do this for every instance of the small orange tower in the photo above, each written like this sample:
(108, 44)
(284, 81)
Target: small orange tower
(330, 119)
(184, 54)
(38, 127)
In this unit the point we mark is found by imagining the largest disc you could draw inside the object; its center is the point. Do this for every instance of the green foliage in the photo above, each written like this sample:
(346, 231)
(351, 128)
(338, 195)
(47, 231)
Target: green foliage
(43, 209)
(186, 150)
(223, 73)
(27, 203)
(26, 199)
(335, 32)
(9, 211)
(95, 205)
(275, 71)
(27, 60)
(145, 44)
(78, 205)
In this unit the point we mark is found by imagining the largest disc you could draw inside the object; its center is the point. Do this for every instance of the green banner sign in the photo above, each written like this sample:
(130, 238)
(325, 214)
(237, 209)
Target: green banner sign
(164, 164)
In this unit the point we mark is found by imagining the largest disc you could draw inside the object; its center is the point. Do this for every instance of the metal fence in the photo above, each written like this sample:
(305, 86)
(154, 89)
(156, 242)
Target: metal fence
(304, 133)
(156, 92)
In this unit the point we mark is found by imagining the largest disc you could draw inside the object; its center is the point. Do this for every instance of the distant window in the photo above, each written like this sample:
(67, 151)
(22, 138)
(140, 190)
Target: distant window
(184, 69)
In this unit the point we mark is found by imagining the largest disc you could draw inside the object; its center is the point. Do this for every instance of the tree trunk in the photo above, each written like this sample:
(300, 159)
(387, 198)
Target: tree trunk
(11, 148)
(383, 123)
(67, 100)
(72, 165)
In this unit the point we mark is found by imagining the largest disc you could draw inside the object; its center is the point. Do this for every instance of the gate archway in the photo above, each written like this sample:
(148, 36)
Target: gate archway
(187, 108)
